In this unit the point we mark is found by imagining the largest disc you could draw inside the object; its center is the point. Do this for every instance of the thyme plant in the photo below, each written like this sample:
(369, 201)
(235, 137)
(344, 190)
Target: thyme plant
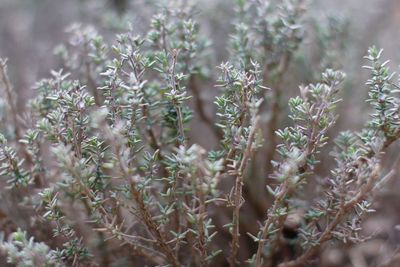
(103, 154)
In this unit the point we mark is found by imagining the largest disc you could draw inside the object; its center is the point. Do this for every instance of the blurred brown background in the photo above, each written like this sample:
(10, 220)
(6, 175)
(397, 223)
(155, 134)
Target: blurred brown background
(30, 29)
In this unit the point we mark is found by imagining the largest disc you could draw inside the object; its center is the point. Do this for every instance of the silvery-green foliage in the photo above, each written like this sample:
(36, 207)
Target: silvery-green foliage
(24, 251)
(105, 163)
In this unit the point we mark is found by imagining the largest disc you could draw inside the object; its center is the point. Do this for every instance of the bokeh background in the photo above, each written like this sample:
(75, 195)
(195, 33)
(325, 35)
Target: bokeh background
(31, 29)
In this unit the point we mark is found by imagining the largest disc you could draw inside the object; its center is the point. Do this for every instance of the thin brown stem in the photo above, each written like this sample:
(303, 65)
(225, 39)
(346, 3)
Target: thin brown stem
(202, 240)
(275, 111)
(11, 97)
(91, 83)
(238, 198)
(200, 105)
(146, 216)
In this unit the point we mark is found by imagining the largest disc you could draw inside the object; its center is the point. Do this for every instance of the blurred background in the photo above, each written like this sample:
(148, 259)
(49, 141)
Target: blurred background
(30, 30)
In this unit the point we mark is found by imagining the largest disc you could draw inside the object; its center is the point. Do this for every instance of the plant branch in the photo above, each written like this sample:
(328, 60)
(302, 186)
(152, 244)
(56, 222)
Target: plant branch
(238, 198)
